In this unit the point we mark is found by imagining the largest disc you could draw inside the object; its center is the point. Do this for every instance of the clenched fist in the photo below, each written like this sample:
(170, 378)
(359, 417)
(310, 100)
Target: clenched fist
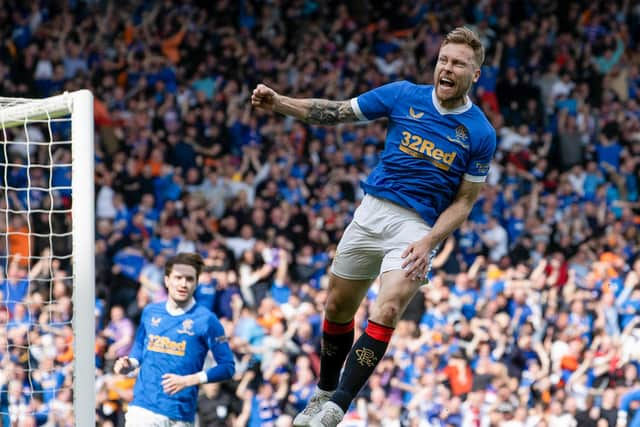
(123, 366)
(264, 97)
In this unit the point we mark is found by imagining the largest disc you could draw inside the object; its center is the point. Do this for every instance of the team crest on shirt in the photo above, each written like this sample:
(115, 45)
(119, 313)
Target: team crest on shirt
(155, 321)
(461, 138)
(187, 327)
(415, 115)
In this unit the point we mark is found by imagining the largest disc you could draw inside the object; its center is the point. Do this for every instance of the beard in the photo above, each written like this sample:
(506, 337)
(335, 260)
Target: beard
(452, 96)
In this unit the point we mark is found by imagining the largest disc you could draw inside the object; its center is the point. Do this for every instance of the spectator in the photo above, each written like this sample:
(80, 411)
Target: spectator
(496, 239)
(119, 332)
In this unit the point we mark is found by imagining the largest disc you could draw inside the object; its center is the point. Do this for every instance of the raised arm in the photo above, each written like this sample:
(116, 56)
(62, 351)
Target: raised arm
(310, 110)
(625, 405)
(441, 258)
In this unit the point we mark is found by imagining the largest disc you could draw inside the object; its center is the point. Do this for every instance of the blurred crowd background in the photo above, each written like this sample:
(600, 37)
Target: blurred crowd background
(530, 318)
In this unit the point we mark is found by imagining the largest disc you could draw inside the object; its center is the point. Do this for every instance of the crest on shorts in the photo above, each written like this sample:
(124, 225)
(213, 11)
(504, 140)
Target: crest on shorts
(187, 327)
(461, 137)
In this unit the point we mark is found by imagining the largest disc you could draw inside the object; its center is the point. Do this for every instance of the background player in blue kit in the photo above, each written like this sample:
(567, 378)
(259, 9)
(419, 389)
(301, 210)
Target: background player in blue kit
(435, 161)
(171, 344)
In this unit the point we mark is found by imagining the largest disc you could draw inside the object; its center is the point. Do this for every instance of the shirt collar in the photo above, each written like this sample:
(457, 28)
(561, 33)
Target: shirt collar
(458, 110)
(177, 311)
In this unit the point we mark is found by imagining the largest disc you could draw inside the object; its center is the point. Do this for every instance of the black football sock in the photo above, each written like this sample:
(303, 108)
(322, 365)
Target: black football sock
(361, 362)
(337, 339)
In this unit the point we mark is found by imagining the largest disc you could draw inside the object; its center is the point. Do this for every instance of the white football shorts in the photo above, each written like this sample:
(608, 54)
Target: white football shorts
(376, 238)
(141, 417)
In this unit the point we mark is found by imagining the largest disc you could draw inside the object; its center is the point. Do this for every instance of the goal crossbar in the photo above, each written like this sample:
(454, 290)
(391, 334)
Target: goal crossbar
(15, 111)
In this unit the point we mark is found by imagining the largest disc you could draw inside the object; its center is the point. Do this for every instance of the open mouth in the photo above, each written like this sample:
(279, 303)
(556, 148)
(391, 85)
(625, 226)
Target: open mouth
(446, 82)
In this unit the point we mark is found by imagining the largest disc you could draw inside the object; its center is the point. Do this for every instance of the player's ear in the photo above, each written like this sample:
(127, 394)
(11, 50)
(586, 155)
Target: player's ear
(476, 75)
(166, 282)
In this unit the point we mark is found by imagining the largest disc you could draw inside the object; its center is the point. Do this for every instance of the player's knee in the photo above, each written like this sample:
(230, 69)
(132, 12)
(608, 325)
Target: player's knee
(336, 311)
(332, 309)
(386, 314)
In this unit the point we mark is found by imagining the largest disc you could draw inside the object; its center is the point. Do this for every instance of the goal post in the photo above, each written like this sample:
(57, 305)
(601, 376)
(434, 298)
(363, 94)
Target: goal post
(76, 109)
(82, 189)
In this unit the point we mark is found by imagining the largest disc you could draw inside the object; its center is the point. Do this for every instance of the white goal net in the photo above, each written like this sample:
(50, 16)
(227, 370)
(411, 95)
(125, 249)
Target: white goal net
(47, 261)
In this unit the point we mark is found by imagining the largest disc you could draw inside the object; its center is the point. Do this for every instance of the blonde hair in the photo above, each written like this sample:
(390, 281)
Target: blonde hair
(464, 35)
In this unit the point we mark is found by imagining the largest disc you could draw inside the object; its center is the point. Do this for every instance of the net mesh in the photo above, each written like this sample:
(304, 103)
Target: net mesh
(36, 277)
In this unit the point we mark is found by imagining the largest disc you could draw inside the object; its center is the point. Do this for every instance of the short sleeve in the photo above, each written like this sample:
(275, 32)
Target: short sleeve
(478, 167)
(378, 102)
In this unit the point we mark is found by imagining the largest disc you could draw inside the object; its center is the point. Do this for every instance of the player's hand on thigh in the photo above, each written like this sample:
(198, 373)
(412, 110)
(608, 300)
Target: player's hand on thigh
(172, 383)
(416, 259)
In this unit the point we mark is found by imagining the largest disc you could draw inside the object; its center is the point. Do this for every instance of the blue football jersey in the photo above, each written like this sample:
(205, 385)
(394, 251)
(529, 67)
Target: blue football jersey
(428, 150)
(167, 344)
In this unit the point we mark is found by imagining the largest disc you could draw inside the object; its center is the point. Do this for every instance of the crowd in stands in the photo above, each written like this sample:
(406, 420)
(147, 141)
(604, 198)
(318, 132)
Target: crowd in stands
(530, 317)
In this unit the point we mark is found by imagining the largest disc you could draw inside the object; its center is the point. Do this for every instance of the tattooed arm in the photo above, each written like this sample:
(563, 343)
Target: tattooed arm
(318, 111)
(310, 110)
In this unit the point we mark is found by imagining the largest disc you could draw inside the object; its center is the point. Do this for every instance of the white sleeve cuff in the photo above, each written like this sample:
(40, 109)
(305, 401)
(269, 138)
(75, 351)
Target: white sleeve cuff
(357, 110)
(474, 178)
(202, 376)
